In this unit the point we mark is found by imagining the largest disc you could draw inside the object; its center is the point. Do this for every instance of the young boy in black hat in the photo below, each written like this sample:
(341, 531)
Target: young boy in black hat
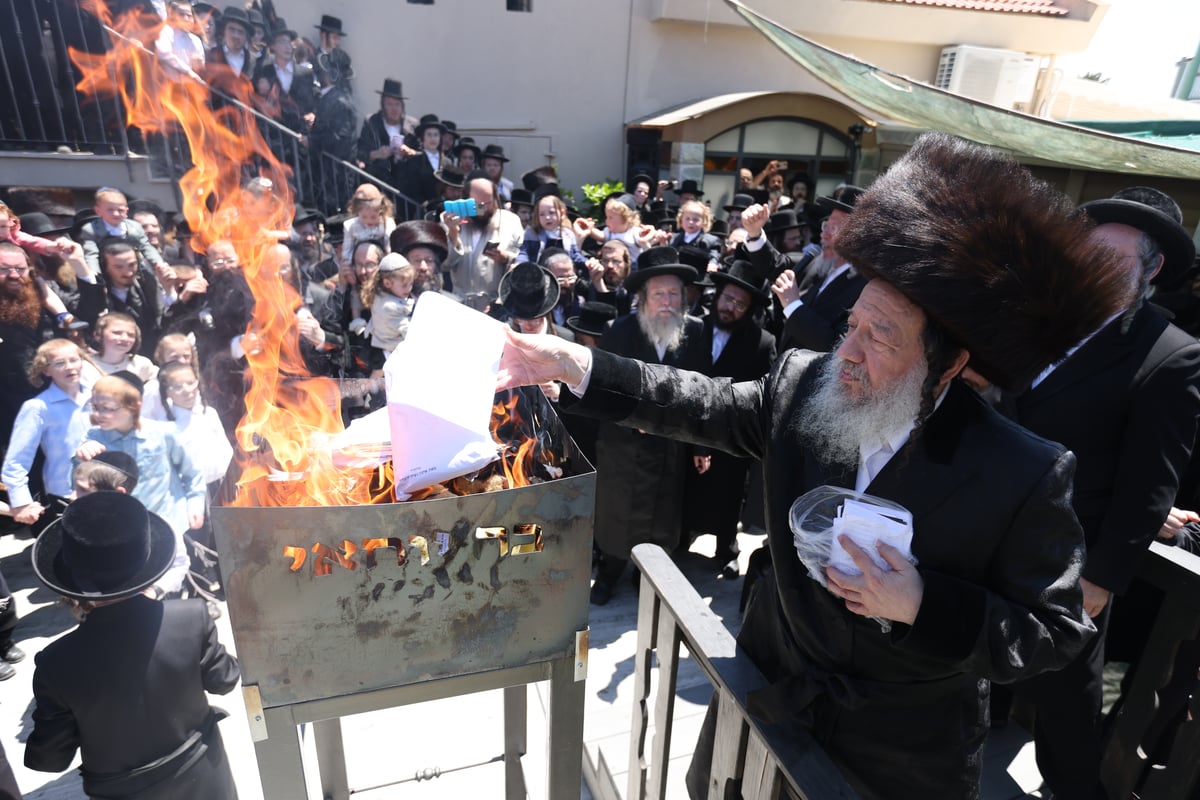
(127, 687)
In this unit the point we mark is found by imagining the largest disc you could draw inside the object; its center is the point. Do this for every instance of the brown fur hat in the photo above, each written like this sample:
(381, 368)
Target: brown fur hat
(999, 258)
(419, 233)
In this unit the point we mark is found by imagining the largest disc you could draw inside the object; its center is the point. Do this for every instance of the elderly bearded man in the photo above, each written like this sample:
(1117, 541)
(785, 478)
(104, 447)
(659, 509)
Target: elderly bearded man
(994, 594)
(640, 477)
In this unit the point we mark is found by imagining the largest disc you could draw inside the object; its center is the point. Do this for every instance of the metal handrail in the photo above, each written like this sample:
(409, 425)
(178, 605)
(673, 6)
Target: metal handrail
(74, 122)
(748, 753)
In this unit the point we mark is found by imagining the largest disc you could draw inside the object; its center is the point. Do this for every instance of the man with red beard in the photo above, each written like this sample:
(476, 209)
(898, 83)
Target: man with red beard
(23, 326)
(733, 346)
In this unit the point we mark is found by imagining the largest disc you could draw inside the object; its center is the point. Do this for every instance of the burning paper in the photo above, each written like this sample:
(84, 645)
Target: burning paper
(441, 382)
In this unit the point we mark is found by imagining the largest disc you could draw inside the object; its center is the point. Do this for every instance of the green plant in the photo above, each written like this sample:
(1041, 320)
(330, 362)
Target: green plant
(595, 194)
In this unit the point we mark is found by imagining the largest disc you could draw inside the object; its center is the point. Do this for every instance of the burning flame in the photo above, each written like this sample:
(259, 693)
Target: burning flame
(289, 413)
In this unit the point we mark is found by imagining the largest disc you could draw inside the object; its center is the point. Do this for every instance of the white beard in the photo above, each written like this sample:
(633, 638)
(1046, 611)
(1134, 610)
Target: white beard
(836, 425)
(662, 331)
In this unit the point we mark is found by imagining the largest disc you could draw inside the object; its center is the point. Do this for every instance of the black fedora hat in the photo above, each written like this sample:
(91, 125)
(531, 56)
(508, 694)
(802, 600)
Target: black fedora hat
(35, 223)
(335, 228)
(236, 14)
(303, 214)
(392, 88)
(528, 291)
(467, 143)
(546, 190)
(1158, 216)
(741, 201)
(538, 177)
(82, 217)
(695, 257)
(844, 198)
(419, 233)
(522, 197)
(429, 121)
(742, 275)
(642, 177)
(330, 25)
(450, 176)
(145, 206)
(105, 546)
(451, 127)
(256, 19)
(719, 228)
(784, 220)
(594, 318)
(689, 187)
(659, 261)
(494, 151)
(281, 27)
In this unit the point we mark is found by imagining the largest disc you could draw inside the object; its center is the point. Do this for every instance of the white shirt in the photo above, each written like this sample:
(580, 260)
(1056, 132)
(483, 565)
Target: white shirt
(285, 75)
(871, 462)
(235, 60)
(720, 339)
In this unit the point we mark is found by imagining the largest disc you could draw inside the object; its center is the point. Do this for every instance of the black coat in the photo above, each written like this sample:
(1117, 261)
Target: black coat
(334, 125)
(374, 136)
(821, 319)
(127, 689)
(904, 713)
(639, 477)
(143, 302)
(713, 500)
(1128, 406)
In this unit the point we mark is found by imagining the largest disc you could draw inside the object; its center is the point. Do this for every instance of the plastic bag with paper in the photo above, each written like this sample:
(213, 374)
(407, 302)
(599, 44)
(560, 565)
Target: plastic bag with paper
(441, 381)
(819, 516)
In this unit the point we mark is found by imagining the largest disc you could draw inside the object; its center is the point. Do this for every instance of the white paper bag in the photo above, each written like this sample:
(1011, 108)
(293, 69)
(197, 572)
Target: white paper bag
(441, 381)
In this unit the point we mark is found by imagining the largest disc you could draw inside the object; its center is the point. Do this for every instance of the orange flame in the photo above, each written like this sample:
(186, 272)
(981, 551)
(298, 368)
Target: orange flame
(288, 412)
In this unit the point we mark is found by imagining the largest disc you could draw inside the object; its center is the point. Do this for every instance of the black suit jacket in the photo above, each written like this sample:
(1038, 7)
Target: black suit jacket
(1128, 406)
(998, 548)
(127, 688)
(821, 319)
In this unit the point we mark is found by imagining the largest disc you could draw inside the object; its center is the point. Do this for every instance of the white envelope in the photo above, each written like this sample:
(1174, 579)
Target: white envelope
(441, 381)
(868, 525)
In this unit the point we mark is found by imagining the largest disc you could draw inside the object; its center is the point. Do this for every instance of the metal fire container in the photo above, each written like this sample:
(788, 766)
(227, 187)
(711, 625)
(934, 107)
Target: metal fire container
(406, 602)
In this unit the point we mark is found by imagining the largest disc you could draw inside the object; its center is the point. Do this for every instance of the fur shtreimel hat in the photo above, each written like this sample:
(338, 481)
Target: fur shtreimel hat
(997, 257)
(419, 233)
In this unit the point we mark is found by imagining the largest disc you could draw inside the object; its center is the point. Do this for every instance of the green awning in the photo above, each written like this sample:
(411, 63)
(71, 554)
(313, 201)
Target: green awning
(896, 97)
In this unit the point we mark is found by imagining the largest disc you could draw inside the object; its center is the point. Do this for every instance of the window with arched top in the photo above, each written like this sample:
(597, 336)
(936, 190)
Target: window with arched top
(807, 145)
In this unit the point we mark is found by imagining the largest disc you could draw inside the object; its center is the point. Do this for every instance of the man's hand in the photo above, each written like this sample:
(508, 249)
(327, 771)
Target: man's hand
(194, 287)
(1173, 524)
(785, 288)
(530, 359)
(309, 328)
(753, 220)
(380, 152)
(89, 450)
(701, 463)
(1095, 598)
(894, 594)
(195, 520)
(28, 513)
(596, 273)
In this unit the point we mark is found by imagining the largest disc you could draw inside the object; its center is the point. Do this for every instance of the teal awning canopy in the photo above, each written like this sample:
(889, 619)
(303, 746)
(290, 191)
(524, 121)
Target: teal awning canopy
(898, 98)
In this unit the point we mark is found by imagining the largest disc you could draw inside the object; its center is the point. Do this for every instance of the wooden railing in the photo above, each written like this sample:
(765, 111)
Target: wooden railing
(751, 760)
(1163, 699)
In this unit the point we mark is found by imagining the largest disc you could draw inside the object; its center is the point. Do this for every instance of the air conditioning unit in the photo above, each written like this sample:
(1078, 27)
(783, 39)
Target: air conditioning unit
(1000, 77)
